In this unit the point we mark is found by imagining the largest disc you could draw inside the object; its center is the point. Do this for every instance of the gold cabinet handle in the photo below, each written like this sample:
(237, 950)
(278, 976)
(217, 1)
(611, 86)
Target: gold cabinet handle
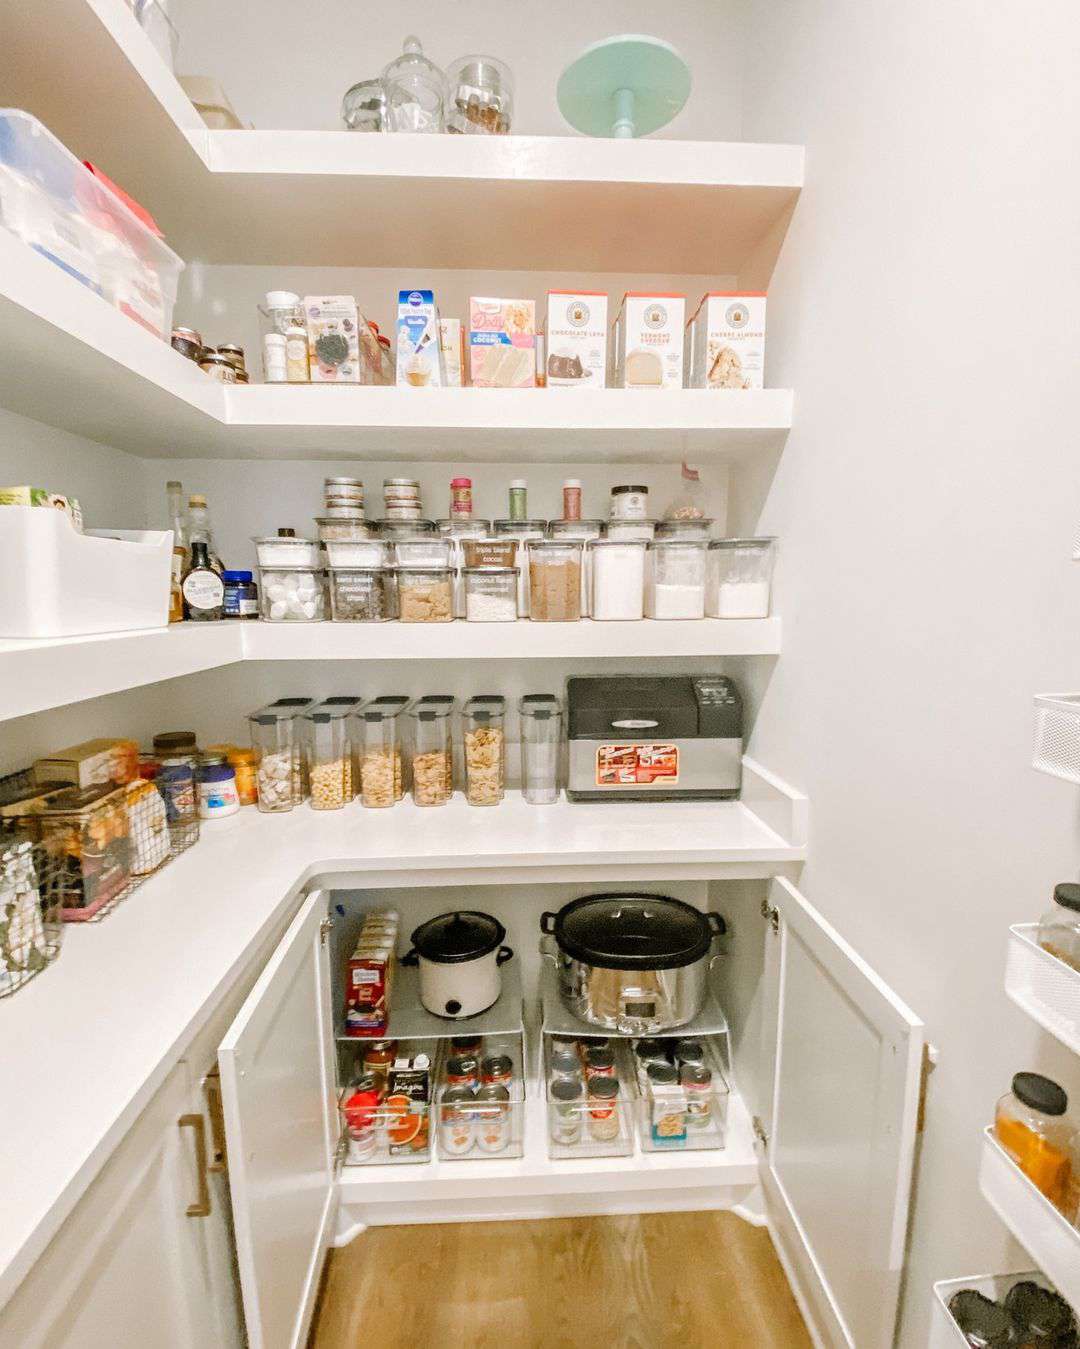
(219, 1163)
(201, 1207)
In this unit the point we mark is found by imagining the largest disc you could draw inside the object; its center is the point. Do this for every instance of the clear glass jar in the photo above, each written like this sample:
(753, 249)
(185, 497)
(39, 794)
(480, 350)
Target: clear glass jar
(328, 758)
(739, 578)
(364, 106)
(415, 91)
(541, 747)
(391, 705)
(432, 753)
(379, 757)
(675, 579)
(1059, 929)
(618, 579)
(273, 735)
(333, 529)
(554, 580)
(484, 723)
(491, 594)
(480, 96)
(425, 594)
(362, 594)
(423, 553)
(1031, 1125)
(684, 529)
(292, 595)
(623, 530)
(277, 550)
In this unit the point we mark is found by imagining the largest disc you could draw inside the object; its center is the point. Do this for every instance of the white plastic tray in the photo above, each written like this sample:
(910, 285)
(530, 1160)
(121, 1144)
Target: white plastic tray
(1057, 735)
(944, 1332)
(1043, 986)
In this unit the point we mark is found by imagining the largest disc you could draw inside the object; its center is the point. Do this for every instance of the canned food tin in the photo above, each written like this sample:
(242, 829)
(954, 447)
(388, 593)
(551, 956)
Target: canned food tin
(456, 1127)
(497, 1070)
(491, 1112)
(696, 1082)
(463, 1071)
(188, 342)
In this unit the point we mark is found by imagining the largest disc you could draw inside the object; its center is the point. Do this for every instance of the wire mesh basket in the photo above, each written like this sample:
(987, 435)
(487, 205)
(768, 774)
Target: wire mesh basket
(1057, 735)
(30, 922)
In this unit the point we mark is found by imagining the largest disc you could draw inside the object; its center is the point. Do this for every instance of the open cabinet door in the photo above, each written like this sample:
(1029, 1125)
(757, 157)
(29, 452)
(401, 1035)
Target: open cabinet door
(278, 1093)
(844, 1057)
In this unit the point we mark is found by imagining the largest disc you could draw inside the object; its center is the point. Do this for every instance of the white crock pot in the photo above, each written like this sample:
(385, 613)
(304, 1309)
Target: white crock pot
(459, 955)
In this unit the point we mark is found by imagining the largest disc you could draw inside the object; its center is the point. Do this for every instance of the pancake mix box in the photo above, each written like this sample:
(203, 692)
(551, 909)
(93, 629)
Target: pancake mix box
(648, 341)
(502, 343)
(725, 346)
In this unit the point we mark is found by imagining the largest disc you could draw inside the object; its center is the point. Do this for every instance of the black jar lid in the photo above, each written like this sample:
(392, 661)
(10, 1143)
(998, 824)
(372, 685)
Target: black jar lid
(454, 937)
(604, 1088)
(174, 742)
(1067, 894)
(1039, 1310)
(631, 932)
(663, 1074)
(1040, 1093)
(983, 1322)
(567, 1089)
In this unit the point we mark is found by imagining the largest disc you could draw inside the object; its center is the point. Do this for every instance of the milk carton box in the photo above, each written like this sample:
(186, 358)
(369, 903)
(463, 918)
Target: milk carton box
(452, 347)
(577, 334)
(502, 343)
(419, 359)
(648, 341)
(726, 341)
(333, 330)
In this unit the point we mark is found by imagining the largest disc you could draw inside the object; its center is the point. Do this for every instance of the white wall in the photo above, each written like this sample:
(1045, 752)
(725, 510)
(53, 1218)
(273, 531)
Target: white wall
(925, 309)
(288, 65)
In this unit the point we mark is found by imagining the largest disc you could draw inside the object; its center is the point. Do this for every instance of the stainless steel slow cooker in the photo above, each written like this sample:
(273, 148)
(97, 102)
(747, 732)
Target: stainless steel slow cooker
(632, 963)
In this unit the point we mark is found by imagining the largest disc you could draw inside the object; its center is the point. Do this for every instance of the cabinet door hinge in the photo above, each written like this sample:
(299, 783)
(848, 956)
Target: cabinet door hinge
(771, 915)
(759, 1131)
(324, 929)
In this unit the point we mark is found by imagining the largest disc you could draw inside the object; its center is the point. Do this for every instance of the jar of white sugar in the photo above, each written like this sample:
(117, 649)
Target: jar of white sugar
(618, 578)
(675, 578)
(739, 578)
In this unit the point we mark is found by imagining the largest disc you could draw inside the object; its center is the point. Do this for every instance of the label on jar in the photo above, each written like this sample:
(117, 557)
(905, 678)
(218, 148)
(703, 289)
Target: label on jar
(637, 765)
(238, 605)
(204, 590)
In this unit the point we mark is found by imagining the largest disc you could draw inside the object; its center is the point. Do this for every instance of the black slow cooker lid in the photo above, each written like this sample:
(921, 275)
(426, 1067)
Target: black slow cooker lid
(630, 932)
(461, 935)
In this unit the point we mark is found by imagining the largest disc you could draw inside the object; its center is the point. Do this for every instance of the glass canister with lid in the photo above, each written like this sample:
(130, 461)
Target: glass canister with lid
(1059, 929)
(481, 96)
(675, 578)
(1031, 1125)
(541, 746)
(415, 91)
(328, 758)
(484, 725)
(739, 578)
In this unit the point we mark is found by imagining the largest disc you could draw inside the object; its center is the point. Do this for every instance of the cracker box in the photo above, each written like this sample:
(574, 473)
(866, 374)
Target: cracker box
(725, 346)
(577, 333)
(452, 347)
(502, 343)
(419, 358)
(648, 341)
(91, 764)
(333, 326)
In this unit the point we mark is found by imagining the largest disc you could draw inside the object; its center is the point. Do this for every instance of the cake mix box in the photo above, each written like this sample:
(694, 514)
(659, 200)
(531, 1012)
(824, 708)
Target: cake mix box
(333, 329)
(502, 343)
(648, 341)
(419, 358)
(577, 333)
(725, 341)
(452, 347)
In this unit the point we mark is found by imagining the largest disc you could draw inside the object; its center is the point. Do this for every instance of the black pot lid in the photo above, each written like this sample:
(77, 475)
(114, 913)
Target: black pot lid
(632, 932)
(462, 935)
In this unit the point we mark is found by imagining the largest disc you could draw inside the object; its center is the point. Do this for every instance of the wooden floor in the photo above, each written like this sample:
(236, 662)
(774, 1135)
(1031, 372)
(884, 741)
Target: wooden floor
(643, 1282)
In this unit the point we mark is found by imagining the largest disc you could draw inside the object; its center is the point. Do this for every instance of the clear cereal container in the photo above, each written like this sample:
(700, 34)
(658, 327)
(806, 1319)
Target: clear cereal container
(432, 752)
(425, 594)
(362, 594)
(739, 578)
(292, 595)
(491, 594)
(273, 734)
(541, 745)
(484, 725)
(393, 705)
(328, 758)
(675, 579)
(378, 755)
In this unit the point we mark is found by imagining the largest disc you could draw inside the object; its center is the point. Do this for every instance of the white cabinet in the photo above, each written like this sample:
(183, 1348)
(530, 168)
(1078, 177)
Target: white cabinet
(838, 1082)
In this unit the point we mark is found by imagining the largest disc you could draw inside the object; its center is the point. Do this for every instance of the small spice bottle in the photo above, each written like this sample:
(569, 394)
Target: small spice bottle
(275, 358)
(460, 499)
(571, 499)
(519, 507)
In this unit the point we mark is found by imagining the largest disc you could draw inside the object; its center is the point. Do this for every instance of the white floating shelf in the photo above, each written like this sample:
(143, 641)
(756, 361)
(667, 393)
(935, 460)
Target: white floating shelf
(1043, 986)
(1050, 1239)
(944, 1332)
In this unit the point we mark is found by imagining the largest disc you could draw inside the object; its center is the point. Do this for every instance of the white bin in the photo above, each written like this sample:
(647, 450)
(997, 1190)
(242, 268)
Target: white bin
(944, 1332)
(60, 583)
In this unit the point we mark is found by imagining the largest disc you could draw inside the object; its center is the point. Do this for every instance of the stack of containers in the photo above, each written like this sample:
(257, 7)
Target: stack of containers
(291, 579)
(401, 499)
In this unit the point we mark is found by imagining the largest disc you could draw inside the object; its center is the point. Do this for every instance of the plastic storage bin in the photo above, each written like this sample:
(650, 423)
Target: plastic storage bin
(329, 759)
(64, 212)
(580, 1125)
(386, 1116)
(60, 583)
(688, 1112)
(944, 1332)
(484, 750)
(432, 752)
(482, 1118)
(1057, 735)
(393, 705)
(541, 747)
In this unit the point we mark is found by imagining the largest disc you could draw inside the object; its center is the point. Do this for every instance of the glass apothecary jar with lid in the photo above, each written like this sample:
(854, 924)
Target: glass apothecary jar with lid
(739, 578)
(675, 579)
(1059, 929)
(481, 96)
(415, 91)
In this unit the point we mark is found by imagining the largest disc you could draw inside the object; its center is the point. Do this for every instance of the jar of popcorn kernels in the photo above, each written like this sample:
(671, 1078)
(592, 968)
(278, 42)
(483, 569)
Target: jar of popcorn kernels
(329, 769)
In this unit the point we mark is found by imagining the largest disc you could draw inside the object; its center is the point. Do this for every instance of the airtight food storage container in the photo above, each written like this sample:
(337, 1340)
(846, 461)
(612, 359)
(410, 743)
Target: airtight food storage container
(554, 580)
(377, 755)
(618, 578)
(432, 751)
(484, 751)
(328, 759)
(292, 595)
(359, 552)
(425, 595)
(277, 550)
(362, 594)
(70, 216)
(274, 736)
(491, 594)
(739, 578)
(541, 745)
(675, 579)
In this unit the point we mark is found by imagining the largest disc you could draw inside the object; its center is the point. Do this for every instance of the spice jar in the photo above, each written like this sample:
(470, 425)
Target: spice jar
(425, 595)
(379, 754)
(329, 770)
(392, 705)
(519, 499)
(491, 594)
(739, 577)
(485, 750)
(603, 1101)
(1030, 1125)
(241, 595)
(362, 594)
(481, 96)
(630, 502)
(554, 580)
(541, 743)
(566, 1111)
(273, 736)
(415, 91)
(675, 579)
(460, 499)
(432, 753)
(618, 579)
(245, 764)
(1059, 930)
(571, 499)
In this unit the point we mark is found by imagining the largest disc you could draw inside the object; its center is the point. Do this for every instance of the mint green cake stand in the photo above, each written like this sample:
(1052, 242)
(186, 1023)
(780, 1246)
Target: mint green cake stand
(624, 86)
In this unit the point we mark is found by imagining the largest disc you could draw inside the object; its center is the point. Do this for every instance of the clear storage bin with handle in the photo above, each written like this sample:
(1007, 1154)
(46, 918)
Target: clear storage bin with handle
(739, 578)
(70, 216)
(541, 746)
(1059, 929)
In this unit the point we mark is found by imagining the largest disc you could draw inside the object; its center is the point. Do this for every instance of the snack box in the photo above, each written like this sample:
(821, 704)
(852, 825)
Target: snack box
(452, 347)
(648, 341)
(333, 329)
(405, 1106)
(39, 496)
(502, 343)
(419, 357)
(725, 341)
(93, 763)
(577, 339)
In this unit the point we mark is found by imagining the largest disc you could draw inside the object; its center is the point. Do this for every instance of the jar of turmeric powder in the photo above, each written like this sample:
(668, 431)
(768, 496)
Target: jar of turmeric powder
(1031, 1125)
